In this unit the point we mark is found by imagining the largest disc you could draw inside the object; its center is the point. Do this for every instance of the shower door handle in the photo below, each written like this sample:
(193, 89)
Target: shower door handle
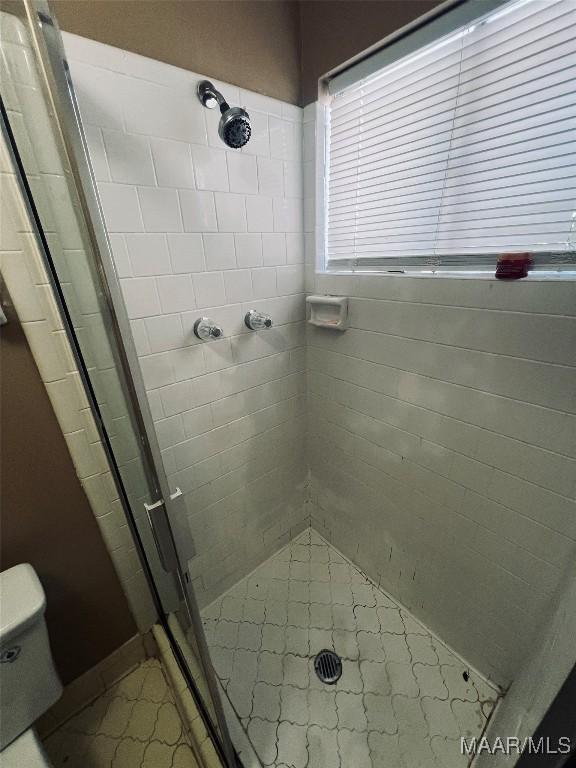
(162, 534)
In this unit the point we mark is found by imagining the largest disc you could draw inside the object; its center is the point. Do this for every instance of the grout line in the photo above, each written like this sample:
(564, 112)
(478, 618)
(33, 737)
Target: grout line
(441, 445)
(410, 404)
(432, 498)
(445, 382)
(465, 307)
(472, 350)
(562, 411)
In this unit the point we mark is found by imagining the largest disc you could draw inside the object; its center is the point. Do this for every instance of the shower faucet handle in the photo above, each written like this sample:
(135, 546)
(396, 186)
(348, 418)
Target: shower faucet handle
(257, 321)
(205, 329)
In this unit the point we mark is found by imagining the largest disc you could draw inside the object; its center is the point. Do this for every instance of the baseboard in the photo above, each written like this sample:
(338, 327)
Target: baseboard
(82, 691)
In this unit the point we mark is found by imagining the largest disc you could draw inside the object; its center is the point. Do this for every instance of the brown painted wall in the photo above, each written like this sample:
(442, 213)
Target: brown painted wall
(334, 31)
(46, 519)
(251, 43)
(276, 47)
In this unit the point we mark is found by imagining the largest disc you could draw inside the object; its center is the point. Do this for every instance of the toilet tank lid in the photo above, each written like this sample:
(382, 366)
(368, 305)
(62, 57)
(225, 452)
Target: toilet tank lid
(22, 600)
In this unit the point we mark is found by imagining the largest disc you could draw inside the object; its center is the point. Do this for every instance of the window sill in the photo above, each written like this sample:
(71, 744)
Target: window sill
(483, 275)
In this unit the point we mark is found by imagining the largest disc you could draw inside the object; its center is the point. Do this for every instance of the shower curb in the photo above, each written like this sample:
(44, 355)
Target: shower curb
(202, 745)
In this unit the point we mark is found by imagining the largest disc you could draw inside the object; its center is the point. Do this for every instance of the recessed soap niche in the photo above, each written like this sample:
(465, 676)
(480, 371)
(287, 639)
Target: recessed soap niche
(328, 312)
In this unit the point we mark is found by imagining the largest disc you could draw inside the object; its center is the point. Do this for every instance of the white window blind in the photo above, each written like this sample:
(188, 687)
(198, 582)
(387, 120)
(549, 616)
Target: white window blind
(461, 151)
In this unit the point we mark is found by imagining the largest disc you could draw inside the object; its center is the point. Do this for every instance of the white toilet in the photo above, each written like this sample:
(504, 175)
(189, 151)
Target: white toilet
(29, 683)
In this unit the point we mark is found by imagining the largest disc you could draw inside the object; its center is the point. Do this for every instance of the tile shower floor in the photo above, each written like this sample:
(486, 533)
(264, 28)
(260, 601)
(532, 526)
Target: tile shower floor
(134, 724)
(403, 701)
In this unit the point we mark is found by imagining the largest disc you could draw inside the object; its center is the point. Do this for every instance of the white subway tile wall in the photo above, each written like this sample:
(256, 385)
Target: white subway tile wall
(442, 445)
(199, 229)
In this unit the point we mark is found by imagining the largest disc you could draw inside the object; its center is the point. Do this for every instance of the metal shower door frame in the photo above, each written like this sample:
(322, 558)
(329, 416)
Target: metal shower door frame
(166, 512)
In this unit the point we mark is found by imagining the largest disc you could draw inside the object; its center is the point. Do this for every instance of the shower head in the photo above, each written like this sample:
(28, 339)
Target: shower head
(234, 128)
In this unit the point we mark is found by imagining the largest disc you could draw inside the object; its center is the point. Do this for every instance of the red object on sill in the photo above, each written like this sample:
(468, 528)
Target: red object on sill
(512, 266)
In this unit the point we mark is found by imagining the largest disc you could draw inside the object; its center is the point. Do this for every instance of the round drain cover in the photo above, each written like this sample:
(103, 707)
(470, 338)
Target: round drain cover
(328, 666)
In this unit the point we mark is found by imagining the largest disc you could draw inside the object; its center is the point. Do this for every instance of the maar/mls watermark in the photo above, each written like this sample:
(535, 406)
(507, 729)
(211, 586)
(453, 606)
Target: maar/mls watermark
(513, 745)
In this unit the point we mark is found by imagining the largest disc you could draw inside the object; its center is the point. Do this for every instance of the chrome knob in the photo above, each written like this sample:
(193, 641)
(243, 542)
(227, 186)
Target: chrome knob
(204, 328)
(257, 321)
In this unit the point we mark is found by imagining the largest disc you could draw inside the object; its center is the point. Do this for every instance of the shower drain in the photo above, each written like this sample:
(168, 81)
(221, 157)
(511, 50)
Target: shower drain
(328, 666)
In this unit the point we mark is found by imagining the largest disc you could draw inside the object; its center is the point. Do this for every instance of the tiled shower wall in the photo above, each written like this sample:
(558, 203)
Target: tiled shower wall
(197, 229)
(442, 446)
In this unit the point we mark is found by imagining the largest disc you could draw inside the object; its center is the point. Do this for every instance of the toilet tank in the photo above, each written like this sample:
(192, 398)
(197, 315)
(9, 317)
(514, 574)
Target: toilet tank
(29, 683)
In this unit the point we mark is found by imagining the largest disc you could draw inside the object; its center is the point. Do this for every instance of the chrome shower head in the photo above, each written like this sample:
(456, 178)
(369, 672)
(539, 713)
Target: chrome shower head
(234, 128)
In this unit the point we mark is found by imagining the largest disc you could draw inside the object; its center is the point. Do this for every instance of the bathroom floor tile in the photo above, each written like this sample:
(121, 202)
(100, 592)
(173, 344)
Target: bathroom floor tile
(404, 699)
(134, 724)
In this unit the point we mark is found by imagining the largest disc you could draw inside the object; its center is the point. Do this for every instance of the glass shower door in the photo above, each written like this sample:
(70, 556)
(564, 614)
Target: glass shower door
(42, 128)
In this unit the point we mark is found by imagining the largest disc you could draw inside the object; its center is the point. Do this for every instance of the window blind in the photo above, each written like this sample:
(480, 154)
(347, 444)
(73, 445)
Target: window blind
(461, 151)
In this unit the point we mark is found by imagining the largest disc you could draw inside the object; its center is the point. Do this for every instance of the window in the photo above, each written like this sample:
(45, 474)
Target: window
(460, 150)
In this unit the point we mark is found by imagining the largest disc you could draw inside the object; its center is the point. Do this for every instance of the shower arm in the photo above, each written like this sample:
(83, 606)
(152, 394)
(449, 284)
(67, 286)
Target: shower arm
(210, 96)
